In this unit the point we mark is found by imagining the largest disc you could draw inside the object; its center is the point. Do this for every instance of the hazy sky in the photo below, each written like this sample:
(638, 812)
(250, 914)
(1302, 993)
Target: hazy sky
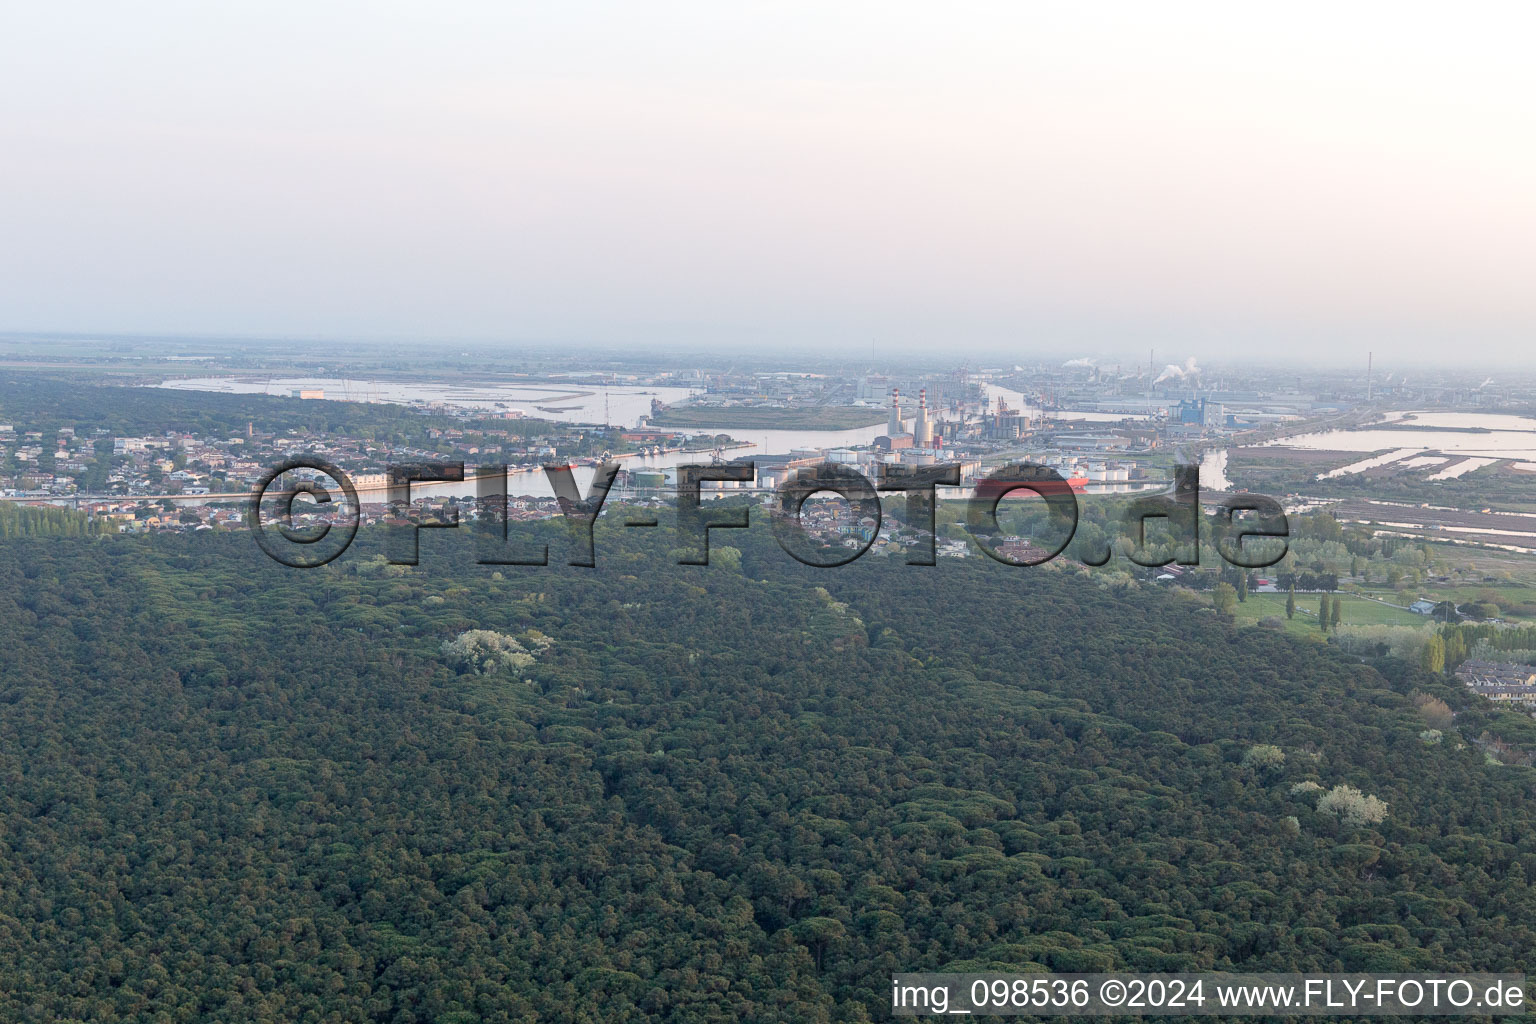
(1205, 178)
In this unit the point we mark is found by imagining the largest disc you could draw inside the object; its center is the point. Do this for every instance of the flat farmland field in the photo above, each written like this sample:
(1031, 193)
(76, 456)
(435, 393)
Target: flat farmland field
(1354, 611)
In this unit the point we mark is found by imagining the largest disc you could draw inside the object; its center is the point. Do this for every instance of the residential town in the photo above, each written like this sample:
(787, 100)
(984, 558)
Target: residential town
(1499, 680)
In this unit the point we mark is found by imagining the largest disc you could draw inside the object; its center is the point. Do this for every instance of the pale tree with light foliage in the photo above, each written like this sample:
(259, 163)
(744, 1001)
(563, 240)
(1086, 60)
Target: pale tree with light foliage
(485, 652)
(1352, 806)
(1263, 757)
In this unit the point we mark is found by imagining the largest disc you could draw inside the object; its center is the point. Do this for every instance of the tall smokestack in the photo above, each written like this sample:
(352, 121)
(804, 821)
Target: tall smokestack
(894, 427)
(922, 430)
(1368, 357)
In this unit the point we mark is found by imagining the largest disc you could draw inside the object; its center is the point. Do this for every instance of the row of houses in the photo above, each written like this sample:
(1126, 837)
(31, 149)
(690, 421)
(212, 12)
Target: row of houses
(1504, 681)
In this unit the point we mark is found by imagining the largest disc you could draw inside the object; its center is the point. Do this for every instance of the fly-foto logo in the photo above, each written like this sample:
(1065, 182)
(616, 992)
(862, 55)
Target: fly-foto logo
(315, 545)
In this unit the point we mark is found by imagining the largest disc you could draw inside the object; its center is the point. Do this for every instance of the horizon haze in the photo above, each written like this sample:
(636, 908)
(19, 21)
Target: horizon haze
(1101, 180)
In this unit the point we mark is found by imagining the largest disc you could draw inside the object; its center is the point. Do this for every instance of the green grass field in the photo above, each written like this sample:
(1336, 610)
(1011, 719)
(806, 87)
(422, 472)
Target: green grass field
(1508, 596)
(1356, 611)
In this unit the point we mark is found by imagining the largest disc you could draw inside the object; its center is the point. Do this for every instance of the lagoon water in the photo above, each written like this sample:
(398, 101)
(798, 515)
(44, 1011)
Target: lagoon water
(1491, 435)
(574, 403)
(571, 403)
(578, 403)
(1213, 470)
(1471, 440)
(1018, 403)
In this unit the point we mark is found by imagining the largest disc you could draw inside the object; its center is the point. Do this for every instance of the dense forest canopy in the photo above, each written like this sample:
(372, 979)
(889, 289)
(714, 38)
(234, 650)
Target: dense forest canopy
(753, 790)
